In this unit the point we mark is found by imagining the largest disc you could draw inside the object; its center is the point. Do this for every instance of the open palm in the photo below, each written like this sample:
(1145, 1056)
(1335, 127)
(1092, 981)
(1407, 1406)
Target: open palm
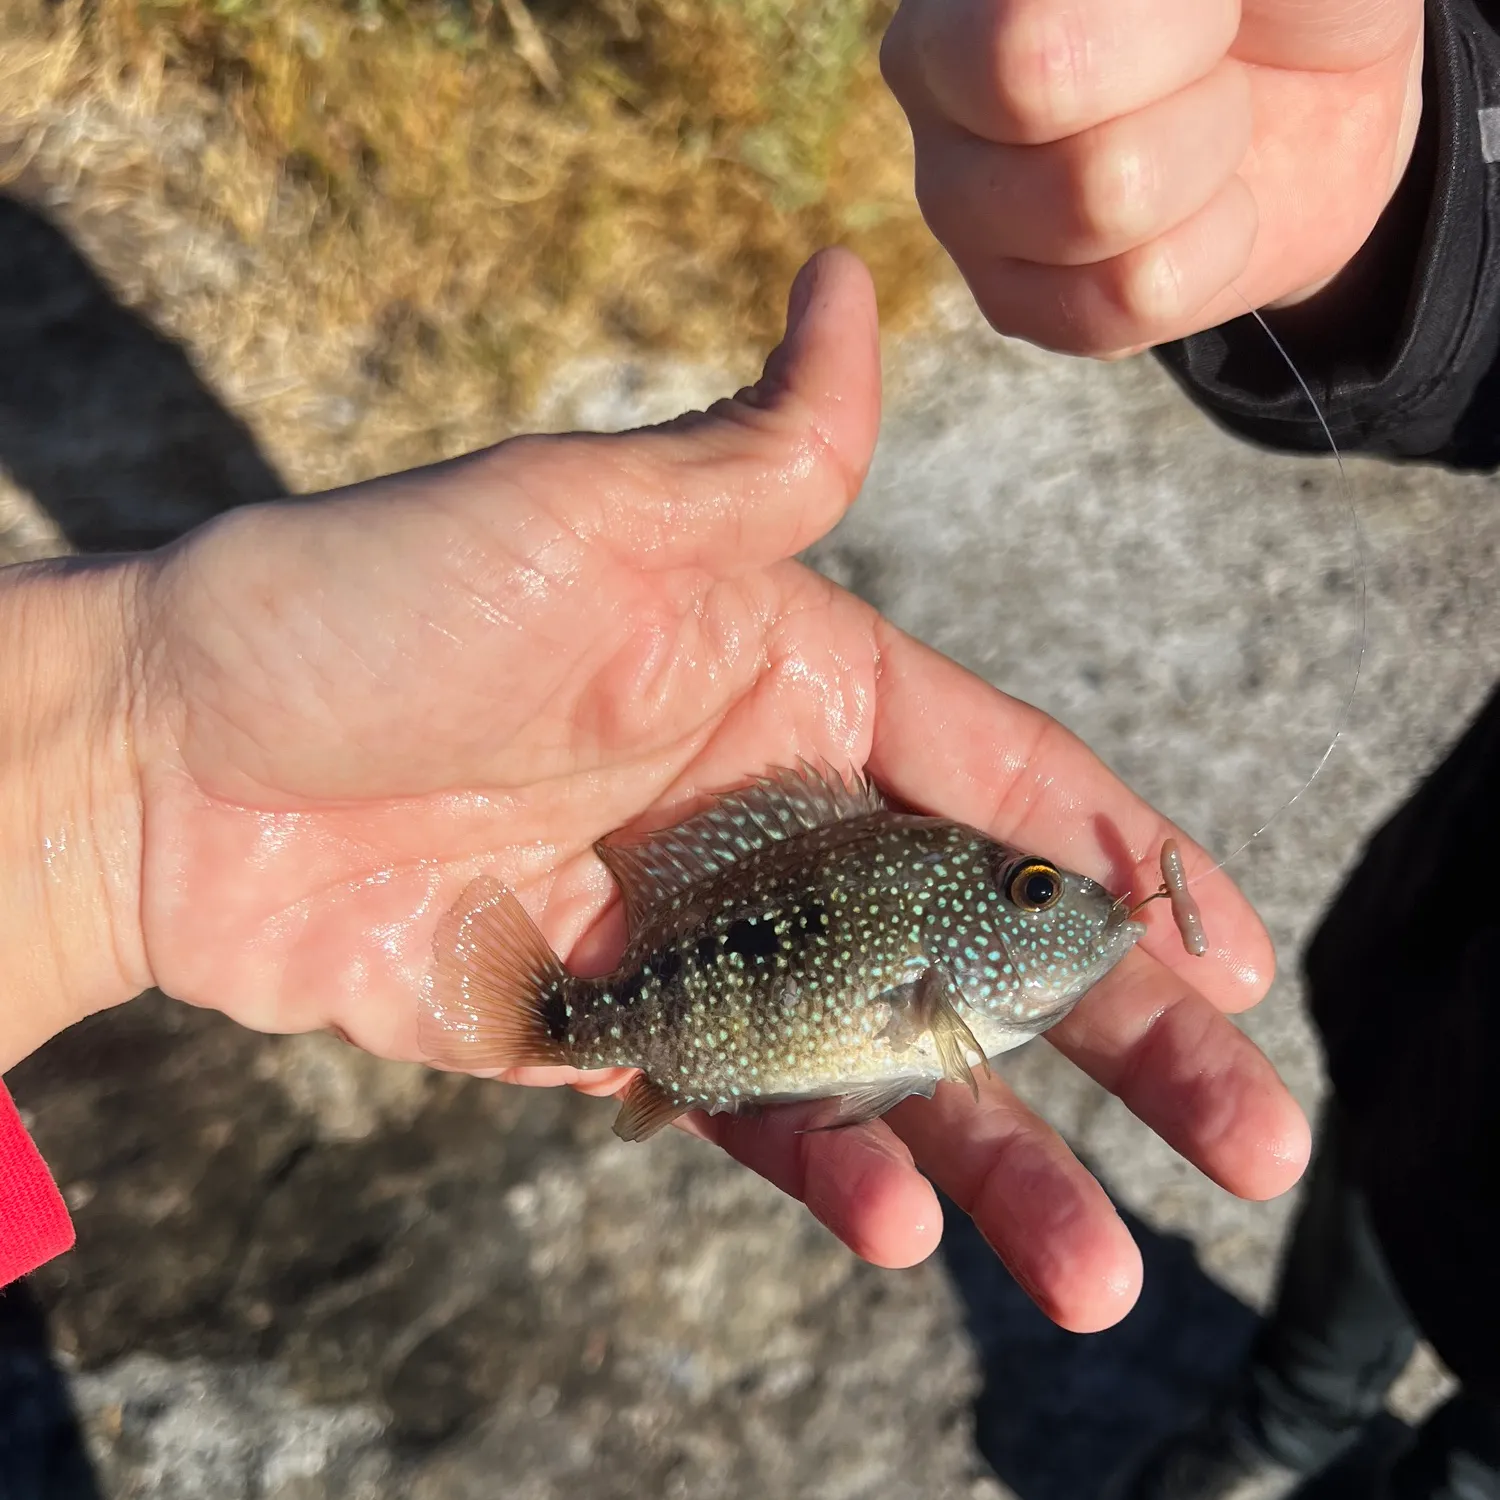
(352, 705)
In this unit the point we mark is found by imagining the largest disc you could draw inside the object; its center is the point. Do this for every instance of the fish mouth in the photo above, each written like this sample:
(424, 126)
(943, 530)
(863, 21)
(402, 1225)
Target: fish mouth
(1121, 933)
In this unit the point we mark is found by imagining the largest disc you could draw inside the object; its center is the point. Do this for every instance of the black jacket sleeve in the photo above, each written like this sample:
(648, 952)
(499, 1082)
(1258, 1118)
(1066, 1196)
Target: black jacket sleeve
(1412, 368)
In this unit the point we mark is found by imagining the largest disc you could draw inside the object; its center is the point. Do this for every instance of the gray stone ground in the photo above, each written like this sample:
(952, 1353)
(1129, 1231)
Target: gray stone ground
(303, 1273)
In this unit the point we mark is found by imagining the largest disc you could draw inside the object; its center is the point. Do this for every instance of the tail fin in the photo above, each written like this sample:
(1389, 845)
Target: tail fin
(494, 984)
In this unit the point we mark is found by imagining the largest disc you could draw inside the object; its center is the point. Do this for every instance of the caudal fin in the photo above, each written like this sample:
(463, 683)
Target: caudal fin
(492, 981)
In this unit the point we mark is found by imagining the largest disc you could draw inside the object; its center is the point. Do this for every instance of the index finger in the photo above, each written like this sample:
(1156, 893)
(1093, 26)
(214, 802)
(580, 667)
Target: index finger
(1023, 72)
(945, 740)
(1326, 38)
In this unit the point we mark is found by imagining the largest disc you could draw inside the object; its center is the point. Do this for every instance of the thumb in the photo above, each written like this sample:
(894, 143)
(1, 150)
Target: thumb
(1338, 38)
(755, 478)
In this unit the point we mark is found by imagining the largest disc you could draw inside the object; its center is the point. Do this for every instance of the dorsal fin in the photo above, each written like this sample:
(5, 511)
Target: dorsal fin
(654, 869)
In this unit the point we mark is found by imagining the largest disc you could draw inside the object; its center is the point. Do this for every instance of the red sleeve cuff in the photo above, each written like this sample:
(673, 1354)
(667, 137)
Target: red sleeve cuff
(34, 1223)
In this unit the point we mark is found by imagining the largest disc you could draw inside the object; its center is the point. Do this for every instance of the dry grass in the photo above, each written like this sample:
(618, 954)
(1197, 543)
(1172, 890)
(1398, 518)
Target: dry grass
(386, 224)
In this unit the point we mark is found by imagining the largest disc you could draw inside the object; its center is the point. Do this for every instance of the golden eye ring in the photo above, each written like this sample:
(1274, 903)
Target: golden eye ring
(1034, 885)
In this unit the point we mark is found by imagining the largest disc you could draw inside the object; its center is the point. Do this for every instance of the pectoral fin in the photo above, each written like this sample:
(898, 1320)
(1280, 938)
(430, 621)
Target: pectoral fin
(933, 1008)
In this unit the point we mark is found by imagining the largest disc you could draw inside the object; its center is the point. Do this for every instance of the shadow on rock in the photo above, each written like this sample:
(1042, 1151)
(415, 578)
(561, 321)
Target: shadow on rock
(42, 1455)
(221, 1223)
(102, 419)
(282, 1238)
(1059, 1413)
(107, 425)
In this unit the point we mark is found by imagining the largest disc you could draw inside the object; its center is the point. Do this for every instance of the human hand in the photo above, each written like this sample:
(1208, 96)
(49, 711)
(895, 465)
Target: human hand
(341, 709)
(1110, 174)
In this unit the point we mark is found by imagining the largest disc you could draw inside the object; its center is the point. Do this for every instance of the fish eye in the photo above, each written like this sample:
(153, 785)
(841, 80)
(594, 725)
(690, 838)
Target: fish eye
(1035, 885)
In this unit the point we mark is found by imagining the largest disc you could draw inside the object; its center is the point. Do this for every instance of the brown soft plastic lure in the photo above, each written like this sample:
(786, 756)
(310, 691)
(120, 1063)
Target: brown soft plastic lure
(1184, 909)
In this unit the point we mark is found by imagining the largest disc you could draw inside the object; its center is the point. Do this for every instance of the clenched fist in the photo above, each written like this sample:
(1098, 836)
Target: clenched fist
(1110, 174)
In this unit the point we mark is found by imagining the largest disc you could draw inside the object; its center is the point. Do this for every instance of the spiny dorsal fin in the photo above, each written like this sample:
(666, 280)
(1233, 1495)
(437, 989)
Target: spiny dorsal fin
(654, 869)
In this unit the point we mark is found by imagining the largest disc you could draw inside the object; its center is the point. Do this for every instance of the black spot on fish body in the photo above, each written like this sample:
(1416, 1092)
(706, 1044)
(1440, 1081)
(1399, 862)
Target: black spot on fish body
(670, 1001)
(707, 952)
(674, 1004)
(751, 939)
(796, 929)
(809, 919)
(554, 1012)
(628, 991)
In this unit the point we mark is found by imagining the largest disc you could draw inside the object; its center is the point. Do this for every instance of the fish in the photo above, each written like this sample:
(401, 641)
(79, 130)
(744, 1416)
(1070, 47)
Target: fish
(801, 938)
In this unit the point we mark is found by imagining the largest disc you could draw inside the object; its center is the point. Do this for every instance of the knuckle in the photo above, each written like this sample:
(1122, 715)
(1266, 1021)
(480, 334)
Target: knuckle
(1042, 69)
(1147, 287)
(1055, 322)
(1114, 193)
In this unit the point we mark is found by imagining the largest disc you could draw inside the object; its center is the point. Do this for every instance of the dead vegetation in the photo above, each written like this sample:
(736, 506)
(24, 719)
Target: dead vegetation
(379, 226)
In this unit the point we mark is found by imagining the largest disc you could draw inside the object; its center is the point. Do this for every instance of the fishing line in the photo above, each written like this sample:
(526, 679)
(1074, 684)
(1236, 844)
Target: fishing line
(1361, 592)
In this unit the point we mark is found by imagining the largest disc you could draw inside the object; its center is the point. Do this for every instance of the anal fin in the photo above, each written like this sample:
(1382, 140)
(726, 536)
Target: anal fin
(645, 1107)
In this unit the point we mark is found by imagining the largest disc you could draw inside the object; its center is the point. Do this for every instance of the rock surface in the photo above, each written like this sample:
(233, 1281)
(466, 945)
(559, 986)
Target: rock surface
(305, 1273)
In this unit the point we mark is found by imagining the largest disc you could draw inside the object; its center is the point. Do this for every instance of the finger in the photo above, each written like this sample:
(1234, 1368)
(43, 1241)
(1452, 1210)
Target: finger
(859, 1181)
(1036, 1205)
(1091, 196)
(948, 742)
(752, 480)
(1326, 38)
(598, 1083)
(1158, 291)
(1027, 71)
(1191, 1075)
